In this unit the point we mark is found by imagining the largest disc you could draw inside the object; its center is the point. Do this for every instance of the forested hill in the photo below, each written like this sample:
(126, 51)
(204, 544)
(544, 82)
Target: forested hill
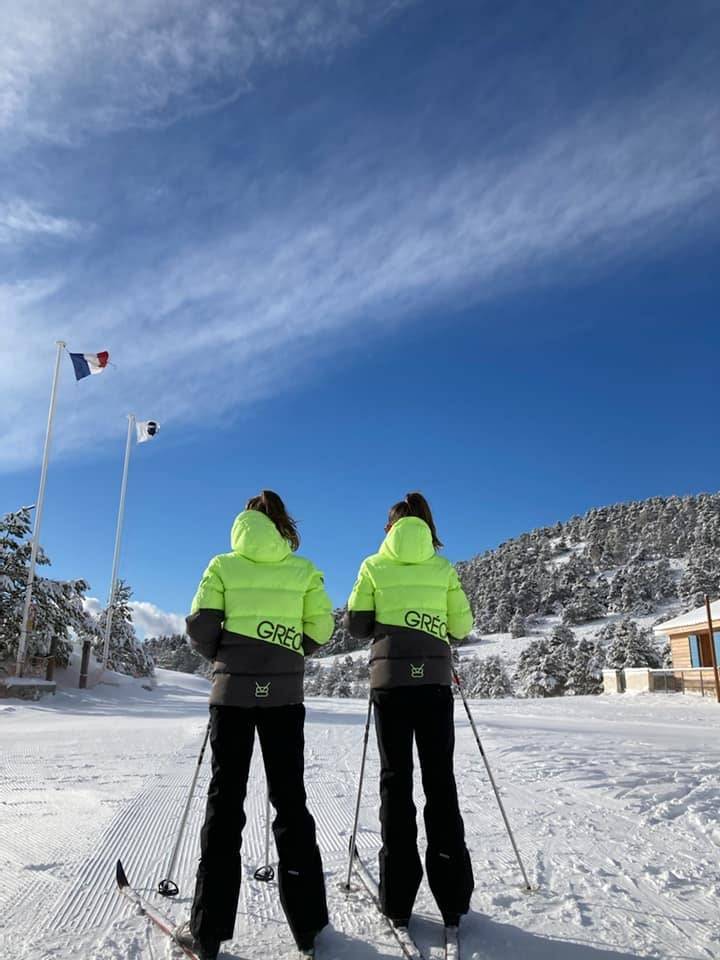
(631, 558)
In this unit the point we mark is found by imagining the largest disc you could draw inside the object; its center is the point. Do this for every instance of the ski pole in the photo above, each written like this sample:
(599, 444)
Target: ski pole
(266, 873)
(346, 886)
(168, 887)
(492, 779)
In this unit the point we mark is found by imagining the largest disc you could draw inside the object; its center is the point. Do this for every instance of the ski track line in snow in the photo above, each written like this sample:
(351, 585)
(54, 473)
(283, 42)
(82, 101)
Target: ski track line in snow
(67, 832)
(143, 832)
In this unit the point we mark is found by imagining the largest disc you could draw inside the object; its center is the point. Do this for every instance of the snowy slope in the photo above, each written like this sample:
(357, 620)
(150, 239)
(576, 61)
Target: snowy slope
(614, 800)
(509, 648)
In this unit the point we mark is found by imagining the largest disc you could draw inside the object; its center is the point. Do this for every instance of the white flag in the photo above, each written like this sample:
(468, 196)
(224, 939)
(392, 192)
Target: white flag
(146, 430)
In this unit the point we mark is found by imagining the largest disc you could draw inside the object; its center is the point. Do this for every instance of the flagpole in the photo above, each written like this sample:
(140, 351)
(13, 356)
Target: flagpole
(118, 538)
(22, 643)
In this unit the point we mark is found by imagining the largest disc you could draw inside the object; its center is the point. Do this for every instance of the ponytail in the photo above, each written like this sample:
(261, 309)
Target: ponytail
(415, 505)
(272, 506)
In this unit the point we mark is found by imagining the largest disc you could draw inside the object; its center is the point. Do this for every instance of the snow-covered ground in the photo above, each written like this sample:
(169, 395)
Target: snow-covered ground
(615, 802)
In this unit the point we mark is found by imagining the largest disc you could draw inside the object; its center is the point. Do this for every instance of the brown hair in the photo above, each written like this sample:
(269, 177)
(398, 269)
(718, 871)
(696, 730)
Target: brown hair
(414, 505)
(272, 506)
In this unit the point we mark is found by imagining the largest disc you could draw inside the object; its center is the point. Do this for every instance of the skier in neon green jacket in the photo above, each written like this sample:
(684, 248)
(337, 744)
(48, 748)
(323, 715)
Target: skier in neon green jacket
(259, 610)
(410, 602)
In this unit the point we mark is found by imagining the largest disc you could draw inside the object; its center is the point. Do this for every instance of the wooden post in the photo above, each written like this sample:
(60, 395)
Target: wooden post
(50, 665)
(84, 664)
(712, 647)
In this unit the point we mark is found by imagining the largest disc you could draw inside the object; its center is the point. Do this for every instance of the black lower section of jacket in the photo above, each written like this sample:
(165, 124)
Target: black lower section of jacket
(247, 672)
(401, 656)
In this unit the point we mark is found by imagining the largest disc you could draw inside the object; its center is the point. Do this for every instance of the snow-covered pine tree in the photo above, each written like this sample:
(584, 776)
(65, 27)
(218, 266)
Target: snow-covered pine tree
(361, 677)
(517, 626)
(584, 605)
(538, 673)
(126, 654)
(174, 652)
(485, 677)
(563, 648)
(628, 645)
(701, 575)
(313, 678)
(504, 612)
(624, 558)
(666, 656)
(341, 641)
(584, 675)
(562, 633)
(641, 586)
(337, 680)
(57, 606)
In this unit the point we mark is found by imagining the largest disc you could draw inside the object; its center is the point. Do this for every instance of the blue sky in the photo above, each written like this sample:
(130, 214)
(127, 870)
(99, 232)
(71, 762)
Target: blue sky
(345, 250)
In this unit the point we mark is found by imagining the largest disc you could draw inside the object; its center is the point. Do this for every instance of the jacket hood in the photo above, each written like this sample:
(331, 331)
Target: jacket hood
(409, 541)
(256, 537)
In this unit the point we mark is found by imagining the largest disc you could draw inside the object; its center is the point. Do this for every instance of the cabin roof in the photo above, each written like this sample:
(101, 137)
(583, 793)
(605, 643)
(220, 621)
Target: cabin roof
(694, 618)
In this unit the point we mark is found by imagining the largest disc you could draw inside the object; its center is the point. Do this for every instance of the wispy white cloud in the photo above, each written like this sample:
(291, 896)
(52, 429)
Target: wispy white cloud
(339, 255)
(21, 221)
(70, 67)
(149, 619)
(220, 311)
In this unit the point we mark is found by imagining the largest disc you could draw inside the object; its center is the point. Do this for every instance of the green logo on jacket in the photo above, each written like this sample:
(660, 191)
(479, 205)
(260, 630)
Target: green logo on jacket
(417, 673)
(262, 689)
(279, 633)
(423, 621)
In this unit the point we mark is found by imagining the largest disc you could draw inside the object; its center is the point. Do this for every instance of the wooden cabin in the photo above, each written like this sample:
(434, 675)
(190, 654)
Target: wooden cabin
(690, 646)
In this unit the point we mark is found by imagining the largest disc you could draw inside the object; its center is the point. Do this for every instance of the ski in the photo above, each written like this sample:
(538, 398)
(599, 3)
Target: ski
(452, 943)
(409, 948)
(159, 919)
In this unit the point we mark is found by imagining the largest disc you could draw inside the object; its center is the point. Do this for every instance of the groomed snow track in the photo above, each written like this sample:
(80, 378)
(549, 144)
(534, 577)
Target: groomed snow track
(614, 803)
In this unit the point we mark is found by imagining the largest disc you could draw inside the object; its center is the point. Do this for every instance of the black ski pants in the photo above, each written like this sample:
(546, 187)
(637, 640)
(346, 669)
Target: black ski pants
(425, 712)
(300, 873)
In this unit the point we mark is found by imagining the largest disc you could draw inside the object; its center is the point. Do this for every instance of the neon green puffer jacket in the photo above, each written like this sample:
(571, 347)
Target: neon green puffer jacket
(410, 601)
(257, 612)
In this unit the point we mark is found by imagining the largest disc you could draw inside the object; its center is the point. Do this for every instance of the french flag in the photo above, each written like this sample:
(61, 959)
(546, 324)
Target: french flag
(86, 364)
